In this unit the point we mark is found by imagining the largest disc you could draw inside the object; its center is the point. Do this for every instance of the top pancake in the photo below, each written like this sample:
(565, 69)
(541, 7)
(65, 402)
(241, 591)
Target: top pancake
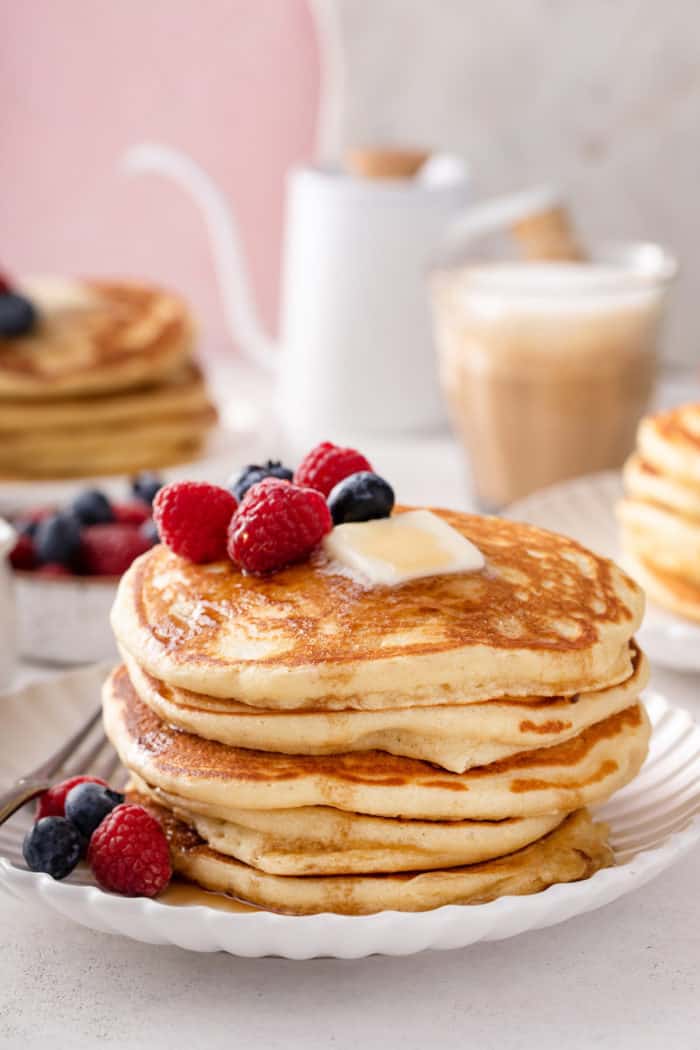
(670, 443)
(546, 617)
(120, 335)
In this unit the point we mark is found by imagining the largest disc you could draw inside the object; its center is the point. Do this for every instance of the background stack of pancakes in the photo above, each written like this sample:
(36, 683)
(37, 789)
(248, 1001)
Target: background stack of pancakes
(312, 744)
(104, 384)
(660, 516)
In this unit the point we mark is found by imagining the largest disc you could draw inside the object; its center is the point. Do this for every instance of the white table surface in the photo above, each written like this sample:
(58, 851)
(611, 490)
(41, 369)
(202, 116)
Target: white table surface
(623, 977)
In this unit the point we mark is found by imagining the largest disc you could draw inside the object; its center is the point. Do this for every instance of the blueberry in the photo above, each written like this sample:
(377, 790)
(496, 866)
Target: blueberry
(53, 845)
(361, 497)
(57, 538)
(92, 507)
(239, 483)
(88, 804)
(26, 527)
(149, 531)
(17, 315)
(146, 485)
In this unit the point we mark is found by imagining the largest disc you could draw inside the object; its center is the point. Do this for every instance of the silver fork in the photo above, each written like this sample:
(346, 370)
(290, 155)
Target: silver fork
(36, 782)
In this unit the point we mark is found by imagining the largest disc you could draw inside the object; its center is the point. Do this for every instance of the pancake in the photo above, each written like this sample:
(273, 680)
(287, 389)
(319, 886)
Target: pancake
(678, 595)
(646, 484)
(453, 737)
(661, 538)
(181, 393)
(670, 442)
(116, 336)
(574, 850)
(580, 772)
(108, 448)
(546, 617)
(318, 840)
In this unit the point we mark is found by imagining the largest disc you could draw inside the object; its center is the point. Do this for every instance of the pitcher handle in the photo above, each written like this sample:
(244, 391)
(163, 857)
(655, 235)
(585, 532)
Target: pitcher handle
(239, 303)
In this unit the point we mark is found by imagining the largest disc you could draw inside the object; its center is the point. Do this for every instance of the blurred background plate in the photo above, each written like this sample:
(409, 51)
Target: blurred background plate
(584, 509)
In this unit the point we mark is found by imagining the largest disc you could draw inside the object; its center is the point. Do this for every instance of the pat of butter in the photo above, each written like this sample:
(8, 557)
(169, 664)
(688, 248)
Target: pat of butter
(404, 547)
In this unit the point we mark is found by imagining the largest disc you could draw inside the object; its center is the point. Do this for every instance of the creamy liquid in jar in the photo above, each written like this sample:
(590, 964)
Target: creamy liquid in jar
(546, 368)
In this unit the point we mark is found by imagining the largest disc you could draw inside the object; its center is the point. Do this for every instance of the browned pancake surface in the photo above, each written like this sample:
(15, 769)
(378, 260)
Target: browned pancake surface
(176, 753)
(91, 347)
(541, 591)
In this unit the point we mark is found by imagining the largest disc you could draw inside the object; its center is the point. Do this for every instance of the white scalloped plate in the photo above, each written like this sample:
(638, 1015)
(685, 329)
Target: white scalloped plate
(655, 820)
(584, 509)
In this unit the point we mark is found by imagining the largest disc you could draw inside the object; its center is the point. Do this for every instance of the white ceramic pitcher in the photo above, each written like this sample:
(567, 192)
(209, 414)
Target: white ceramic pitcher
(356, 353)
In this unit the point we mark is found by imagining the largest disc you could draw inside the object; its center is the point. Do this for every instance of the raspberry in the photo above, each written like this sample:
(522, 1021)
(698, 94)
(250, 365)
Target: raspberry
(192, 519)
(33, 517)
(53, 568)
(327, 464)
(108, 550)
(129, 853)
(53, 802)
(133, 512)
(23, 555)
(276, 524)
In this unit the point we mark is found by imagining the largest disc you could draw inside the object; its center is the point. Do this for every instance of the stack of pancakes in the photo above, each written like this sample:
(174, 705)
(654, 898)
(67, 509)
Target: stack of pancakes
(660, 515)
(104, 384)
(313, 744)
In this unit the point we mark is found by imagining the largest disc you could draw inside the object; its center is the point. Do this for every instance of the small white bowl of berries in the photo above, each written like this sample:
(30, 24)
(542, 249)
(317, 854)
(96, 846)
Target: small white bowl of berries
(66, 565)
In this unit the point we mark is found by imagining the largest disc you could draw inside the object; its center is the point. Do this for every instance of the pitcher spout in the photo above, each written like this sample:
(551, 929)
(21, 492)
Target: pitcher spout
(242, 317)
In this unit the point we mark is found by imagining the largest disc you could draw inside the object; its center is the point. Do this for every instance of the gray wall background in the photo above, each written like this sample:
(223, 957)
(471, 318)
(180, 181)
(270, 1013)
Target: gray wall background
(599, 96)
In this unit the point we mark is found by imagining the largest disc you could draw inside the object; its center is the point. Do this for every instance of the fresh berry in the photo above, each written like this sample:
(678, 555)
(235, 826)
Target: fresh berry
(53, 845)
(53, 568)
(5, 284)
(145, 486)
(92, 507)
(149, 531)
(17, 315)
(53, 802)
(129, 853)
(361, 497)
(108, 550)
(57, 538)
(276, 524)
(327, 464)
(133, 512)
(88, 804)
(28, 523)
(23, 555)
(193, 518)
(239, 483)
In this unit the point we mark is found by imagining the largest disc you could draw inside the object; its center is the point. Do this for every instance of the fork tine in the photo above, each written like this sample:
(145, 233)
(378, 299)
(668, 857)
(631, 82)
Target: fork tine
(53, 764)
(111, 767)
(84, 761)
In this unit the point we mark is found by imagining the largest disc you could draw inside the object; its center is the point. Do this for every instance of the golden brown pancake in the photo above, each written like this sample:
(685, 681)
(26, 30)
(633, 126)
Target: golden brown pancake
(659, 517)
(318, 840)
(455, 737)
(670, 443)
(126, 335)
(574, 850)
(181, 393)
(546, 617)
(562, 778)
(675, 593)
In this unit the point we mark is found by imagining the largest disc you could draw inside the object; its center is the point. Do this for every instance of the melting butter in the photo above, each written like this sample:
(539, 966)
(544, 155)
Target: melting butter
(405, 547)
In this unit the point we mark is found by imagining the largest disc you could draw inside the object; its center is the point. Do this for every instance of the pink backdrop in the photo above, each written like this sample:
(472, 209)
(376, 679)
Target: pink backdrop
(233, 82)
